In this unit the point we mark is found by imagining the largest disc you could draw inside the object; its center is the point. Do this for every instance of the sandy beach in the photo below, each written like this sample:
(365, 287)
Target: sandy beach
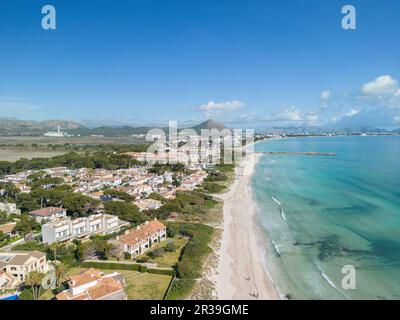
(240, 273)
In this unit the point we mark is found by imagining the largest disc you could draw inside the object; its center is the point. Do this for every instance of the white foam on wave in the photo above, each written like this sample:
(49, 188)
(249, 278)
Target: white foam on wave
(283, 215)
(275, 247)
(330, 282)
(276, 201)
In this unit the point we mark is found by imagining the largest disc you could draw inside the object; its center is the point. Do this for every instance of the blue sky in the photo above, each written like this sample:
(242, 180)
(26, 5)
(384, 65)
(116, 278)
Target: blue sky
(249, 63)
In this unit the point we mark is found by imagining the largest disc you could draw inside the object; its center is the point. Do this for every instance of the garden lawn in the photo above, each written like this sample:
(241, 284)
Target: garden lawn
(168, 259)
(139, 286)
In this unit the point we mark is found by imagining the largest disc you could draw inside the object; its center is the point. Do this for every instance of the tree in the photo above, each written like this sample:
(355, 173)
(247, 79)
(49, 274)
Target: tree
(101, 246)
(170, 247)
(34, 280)
(61, 272)
(124, 211)
(2, 236)
(26, 224)
(10, 191)
(76, 202)
(79, 250)
(156, 196)
(158, 252)
(3, 217)
(119, 194)
(88, 251)
(26, 294)
(113, 250)
(53, 248)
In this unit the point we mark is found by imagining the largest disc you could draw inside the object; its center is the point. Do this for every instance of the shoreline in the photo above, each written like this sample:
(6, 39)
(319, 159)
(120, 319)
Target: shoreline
(241, 273)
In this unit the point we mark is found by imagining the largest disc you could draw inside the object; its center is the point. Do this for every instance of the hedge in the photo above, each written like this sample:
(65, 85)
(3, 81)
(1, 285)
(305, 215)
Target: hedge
(143, 269)
(126, 266)
(166, 272)
(111, 265)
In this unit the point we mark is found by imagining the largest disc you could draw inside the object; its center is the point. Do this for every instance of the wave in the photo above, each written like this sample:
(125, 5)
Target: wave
(280, 208)
(283, 215)
(276, 201)
(275, 248)
(329, 281)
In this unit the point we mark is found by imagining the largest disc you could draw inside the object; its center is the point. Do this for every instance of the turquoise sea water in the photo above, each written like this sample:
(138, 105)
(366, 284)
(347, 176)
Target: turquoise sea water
(322, 213)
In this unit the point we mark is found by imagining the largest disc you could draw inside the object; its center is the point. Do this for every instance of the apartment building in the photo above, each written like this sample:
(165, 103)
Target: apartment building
(65, 229)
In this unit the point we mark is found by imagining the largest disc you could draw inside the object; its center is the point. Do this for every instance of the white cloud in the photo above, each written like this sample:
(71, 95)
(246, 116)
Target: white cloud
(288, 113)
(325, 95)
(291, 115)
(382, 85)
(352, 112)
(215, 108)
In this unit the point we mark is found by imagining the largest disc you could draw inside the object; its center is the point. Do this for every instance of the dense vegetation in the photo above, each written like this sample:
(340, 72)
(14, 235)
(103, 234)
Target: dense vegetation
(190, 266)
(125, 211)
(187, 203)
(104, 157)
(119, 194)
(159, 168)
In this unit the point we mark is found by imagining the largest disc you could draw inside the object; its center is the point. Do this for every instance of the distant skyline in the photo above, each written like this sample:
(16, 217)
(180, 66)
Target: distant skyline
(247, 63)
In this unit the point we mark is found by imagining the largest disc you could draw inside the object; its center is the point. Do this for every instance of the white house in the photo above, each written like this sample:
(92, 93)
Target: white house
(15, 265)
(147, 204)
(9, 208)
(48, 214)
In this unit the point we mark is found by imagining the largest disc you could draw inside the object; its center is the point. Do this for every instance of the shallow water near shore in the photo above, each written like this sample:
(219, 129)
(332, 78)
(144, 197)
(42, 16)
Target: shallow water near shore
(322, 213)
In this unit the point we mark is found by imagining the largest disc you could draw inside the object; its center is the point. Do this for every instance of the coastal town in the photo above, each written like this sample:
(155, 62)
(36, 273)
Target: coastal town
(100, 233)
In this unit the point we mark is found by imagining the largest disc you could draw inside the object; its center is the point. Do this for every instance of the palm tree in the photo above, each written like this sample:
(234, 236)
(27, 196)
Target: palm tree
(61, 272)
(53, 247)
(34, 280)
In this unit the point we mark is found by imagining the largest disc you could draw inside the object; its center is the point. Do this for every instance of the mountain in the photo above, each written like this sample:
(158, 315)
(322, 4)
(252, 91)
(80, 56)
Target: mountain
(209, 124)
(15, 127)
(113, 131)
(112, 123)
(12, 126)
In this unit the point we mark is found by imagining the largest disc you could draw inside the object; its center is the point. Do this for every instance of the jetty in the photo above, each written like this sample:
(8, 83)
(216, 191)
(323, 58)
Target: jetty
(285, 153)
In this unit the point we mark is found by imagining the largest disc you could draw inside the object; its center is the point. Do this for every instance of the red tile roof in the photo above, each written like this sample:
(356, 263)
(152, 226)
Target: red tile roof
(142, 232)
(48, 211)
(104, 287)
(8, 227)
